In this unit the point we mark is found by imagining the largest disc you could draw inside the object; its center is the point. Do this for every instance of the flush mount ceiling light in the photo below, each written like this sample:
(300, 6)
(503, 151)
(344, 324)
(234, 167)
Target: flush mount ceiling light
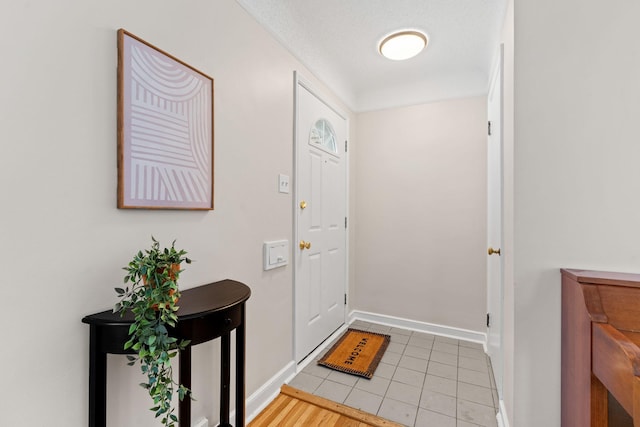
(402, 45)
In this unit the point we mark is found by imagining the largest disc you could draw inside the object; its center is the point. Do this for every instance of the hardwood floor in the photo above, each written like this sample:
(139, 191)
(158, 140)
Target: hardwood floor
(294, 407)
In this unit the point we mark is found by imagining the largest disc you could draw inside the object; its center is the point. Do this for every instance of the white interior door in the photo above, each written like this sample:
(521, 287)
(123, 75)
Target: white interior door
(320, 210)
(494, 225)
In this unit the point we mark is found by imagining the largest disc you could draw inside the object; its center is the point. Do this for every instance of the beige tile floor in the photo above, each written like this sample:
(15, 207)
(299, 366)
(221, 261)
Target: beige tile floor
(423, 380)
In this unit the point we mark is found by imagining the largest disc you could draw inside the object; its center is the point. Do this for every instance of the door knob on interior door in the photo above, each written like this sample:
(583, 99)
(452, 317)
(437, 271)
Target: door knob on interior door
(305, 245)
(492, 251)
(303, 204)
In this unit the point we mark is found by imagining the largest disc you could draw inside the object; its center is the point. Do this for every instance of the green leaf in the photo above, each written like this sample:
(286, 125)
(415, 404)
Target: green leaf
(148, 333)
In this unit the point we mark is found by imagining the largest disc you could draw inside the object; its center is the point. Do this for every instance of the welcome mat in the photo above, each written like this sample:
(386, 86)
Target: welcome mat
(356, 352)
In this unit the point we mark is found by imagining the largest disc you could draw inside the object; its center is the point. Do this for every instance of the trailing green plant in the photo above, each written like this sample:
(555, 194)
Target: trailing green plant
(152, 299)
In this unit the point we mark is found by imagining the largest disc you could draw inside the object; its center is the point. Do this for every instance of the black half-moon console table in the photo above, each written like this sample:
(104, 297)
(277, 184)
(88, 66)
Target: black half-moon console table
(206, 312)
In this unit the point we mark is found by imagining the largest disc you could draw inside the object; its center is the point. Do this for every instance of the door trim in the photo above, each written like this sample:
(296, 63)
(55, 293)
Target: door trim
(499, 68)
(298, 79)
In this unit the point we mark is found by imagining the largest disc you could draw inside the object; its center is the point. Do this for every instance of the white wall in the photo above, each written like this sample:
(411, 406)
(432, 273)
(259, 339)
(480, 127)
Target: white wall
(63, 242)
(577, 179)
(421, 213)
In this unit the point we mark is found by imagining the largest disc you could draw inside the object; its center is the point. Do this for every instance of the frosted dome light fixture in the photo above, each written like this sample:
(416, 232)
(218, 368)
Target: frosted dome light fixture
(402, 45)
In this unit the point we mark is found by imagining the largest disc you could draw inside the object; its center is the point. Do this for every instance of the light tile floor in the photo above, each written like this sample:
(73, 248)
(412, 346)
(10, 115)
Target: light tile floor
(423, 380)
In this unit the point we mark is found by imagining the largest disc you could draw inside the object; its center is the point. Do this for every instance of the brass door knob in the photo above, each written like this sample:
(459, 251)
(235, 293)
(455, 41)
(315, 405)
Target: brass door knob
(303, 204)
(492, 251)
(305, 245)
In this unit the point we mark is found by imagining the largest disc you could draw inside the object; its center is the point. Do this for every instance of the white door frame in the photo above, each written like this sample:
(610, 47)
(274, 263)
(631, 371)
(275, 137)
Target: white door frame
(499, 68)
(300, 80)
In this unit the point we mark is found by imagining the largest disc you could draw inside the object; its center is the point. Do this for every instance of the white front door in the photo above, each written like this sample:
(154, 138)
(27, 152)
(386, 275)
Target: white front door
(494, 225)
(320, 210)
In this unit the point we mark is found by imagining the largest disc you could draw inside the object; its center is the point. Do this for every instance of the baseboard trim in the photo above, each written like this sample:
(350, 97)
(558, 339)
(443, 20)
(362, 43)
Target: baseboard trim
(269, 391)
(431, 328)
(501, 417)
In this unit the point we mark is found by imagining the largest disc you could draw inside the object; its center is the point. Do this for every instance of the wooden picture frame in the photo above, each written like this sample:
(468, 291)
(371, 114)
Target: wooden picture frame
(165, 130)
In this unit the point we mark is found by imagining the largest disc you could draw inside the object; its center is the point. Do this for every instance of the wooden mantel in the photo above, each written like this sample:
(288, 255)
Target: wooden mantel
(600, 349)
(603, 277)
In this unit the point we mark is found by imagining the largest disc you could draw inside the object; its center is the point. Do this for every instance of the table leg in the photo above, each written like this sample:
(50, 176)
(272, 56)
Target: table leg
(240, 370)
(225, 378)
(97, 381)
(184, 375)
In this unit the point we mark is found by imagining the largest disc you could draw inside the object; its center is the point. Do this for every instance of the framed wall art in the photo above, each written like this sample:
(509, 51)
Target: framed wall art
(165, 130)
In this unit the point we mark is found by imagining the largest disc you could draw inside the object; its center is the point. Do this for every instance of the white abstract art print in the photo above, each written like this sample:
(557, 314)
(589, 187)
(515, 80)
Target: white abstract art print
(165, 130)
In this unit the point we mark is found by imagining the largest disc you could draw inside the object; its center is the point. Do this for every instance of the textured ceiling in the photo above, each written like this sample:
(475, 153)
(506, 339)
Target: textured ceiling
(337, 40)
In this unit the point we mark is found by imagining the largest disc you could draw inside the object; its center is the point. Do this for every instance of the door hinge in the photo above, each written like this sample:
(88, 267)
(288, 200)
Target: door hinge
(345, 145)
(345, 299)
(345, 222)
(489, 128)
(488, 320)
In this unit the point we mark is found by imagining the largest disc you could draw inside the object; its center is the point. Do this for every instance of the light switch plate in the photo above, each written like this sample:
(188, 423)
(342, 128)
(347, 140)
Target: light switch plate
(283, 183)
(276, 254)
